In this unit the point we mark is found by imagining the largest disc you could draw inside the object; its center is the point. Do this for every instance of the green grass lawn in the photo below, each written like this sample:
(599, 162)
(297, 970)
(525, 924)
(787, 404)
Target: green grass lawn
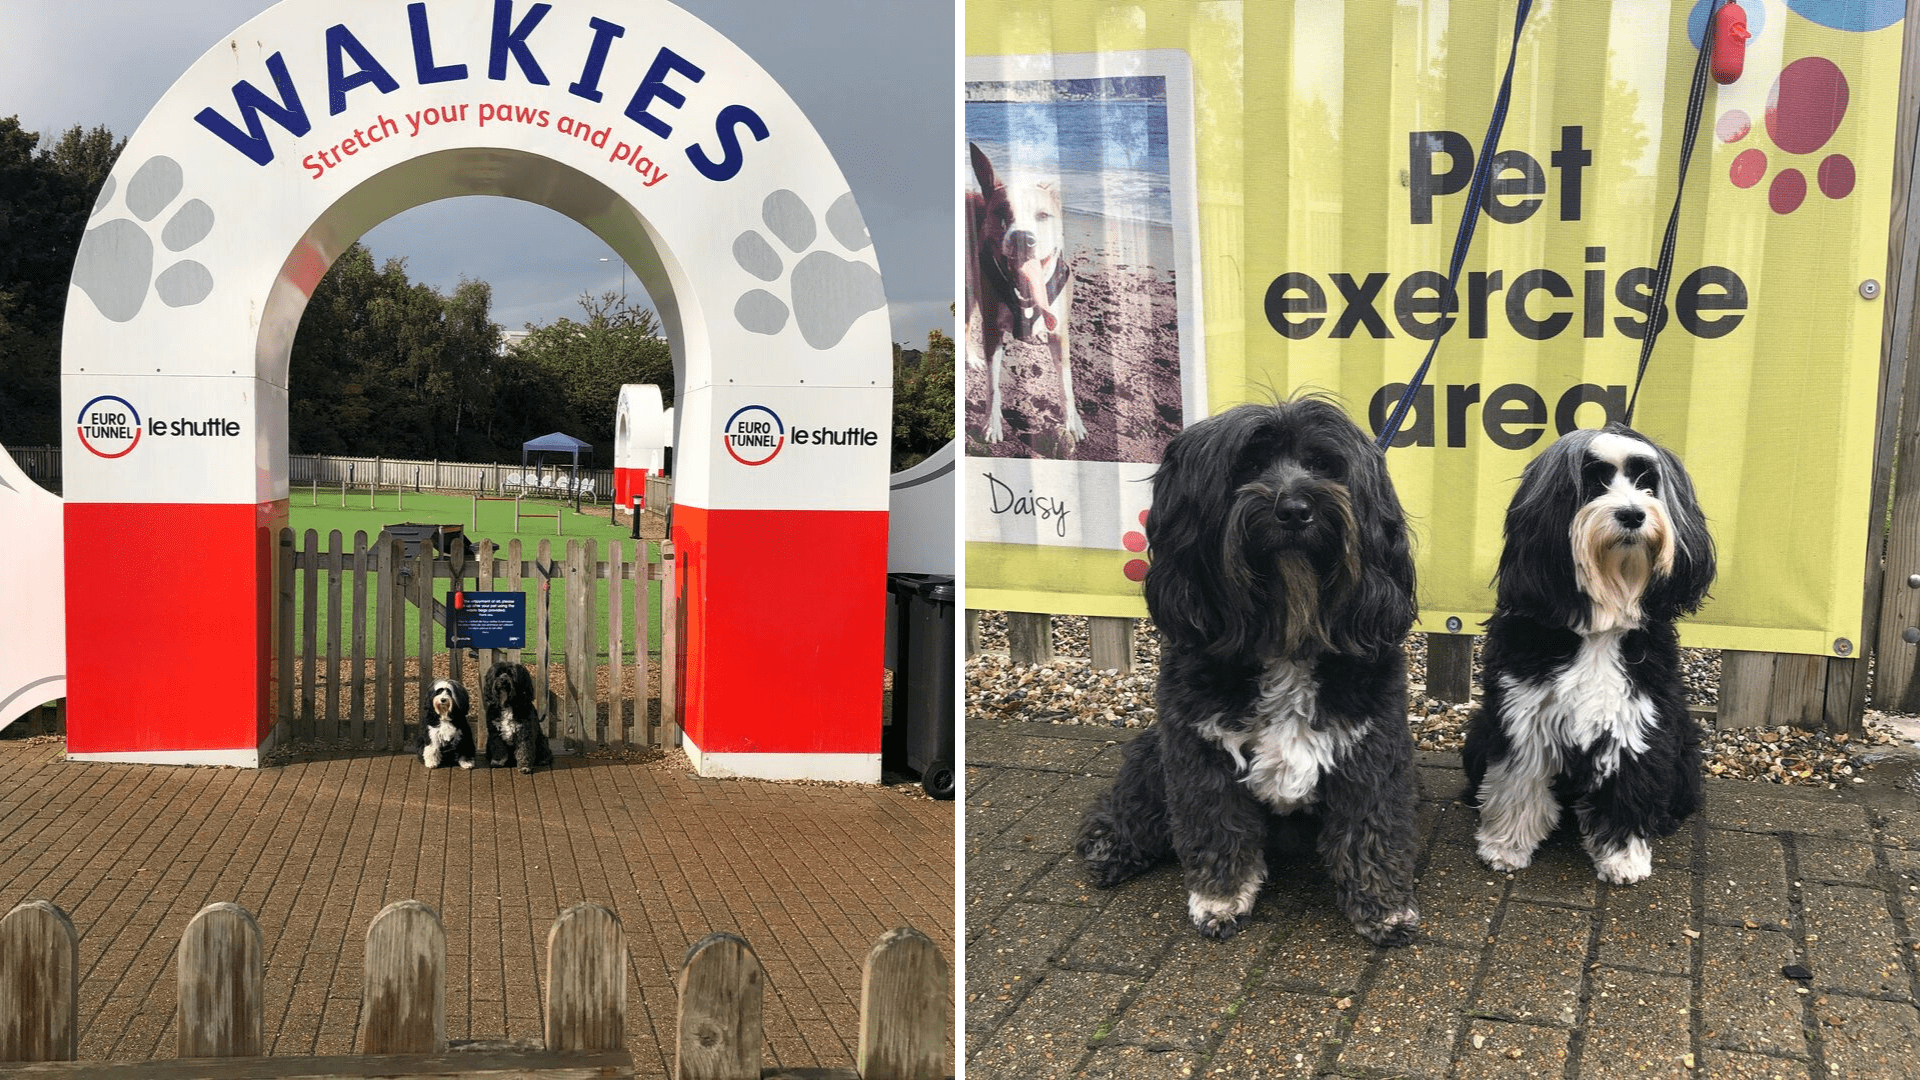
(365, 513)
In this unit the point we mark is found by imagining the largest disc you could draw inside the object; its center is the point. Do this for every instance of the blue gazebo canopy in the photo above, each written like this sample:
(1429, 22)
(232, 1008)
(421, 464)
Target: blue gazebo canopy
(556, 443)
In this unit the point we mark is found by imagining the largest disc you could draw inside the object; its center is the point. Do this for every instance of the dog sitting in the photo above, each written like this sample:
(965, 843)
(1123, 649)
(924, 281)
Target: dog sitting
(513, 724)
(445, 736)
(1582, 698)
(1282, 588)
(1018, 282)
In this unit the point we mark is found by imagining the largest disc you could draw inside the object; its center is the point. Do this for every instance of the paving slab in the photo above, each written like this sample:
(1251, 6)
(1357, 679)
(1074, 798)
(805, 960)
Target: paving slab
(811, 874)
(1544, 972)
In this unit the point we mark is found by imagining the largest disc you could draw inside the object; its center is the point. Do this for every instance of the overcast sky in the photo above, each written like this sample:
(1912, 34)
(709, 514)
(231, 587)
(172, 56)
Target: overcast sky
(889, 121)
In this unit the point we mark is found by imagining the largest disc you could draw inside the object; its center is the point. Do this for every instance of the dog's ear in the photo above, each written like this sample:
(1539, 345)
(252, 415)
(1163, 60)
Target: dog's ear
(1681, 592)
(1188, 590)
(1373, 618)
(459, 700)
(1535, 578)
(522, 682)
(982, 169)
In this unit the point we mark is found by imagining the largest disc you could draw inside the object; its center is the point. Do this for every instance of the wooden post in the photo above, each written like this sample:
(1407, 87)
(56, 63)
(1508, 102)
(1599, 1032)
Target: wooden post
(382, 568)
(973, 633)
(283, 663)
(513, 581)
(220, 1011)
(396, 687)
(1761, 689)
(457, 562)
(488, 553)
(582, 716)
(39, 984)
(331, 671)
(543, 688)
(586, 980)
(670, 716)
(905, 1001)
(617, 730)
(1892, 599)
(422, 565)
(1450, 667)
(1110, 643)
(403, 998)
(643, 592)
(1030, 637)
(357, 710)
(309, 624)
(719, 1034)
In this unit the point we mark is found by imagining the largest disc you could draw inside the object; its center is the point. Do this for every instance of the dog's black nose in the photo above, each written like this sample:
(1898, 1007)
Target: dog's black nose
(1293, 512)
(1630, 517)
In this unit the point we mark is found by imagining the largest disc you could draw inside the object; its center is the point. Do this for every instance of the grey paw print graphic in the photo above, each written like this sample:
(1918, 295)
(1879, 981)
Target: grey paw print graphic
(115, 264)
(828, 293)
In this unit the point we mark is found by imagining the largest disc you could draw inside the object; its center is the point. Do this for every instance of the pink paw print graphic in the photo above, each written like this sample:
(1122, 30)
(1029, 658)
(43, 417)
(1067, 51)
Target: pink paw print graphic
(1135, 540)
(1804, 109)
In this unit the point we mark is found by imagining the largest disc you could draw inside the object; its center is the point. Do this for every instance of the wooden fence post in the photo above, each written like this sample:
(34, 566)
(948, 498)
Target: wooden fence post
(719, 1034)
(394, 562)
(357, 710)
(309, 630)
(403, 997)
(422, 565)
(457, 563)
(1110, 643)
(283, 663)
(515, 567)
(973, 632)
(331, 668)
(484, 577)
(670, 716)
(587, 980)
(39, 984)
(1450, 666)
(643, 587)
(220, 1011)
(617, 729)
(1030, 637)
(905, 1001)
(543, 687)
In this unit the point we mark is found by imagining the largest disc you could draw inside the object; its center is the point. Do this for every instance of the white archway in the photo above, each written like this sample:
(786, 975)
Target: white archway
(314, 122)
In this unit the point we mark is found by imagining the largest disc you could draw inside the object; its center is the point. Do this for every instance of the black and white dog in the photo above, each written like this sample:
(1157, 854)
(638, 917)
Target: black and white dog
(1282, 588)
(513, 724)
(445, 736)
(1582, 699)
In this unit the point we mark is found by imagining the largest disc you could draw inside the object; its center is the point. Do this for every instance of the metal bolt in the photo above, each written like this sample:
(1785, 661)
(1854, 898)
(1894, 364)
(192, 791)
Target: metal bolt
(1913, 581)
(1453, 624)
(1869, 288)
(1843, 646)
(1910, 635)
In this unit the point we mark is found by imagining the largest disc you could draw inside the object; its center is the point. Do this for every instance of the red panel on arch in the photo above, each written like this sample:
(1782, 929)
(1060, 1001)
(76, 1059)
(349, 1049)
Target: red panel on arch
(169, 625)
(784, 625)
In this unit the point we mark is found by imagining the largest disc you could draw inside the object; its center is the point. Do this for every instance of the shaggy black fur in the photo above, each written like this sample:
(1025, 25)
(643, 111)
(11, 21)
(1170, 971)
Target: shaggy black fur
(513, 723)
(1537, 632)
(444, 728)
(1280, 559)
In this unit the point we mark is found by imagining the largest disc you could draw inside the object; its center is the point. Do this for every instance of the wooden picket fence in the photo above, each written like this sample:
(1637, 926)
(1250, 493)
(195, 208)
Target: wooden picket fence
(335, 689)
(219, 1015)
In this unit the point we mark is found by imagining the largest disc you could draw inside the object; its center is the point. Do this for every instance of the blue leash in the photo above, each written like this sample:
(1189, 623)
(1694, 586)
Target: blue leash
(1663, 267)
(1469, 217)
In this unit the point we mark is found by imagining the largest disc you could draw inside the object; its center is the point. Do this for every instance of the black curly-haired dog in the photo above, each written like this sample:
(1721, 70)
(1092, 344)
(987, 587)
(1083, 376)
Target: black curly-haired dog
(1583, 704)
(513, 724)
(1282, 588)
(445, 737)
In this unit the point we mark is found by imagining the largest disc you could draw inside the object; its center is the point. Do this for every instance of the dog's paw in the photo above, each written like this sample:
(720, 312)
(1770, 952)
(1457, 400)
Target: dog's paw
(1221, 916)
(526, 770)
(1627, 865)
(993, 433)
(466, 763)
(114, 266)
(1505, 858)
(1398, 928)
(828, 293)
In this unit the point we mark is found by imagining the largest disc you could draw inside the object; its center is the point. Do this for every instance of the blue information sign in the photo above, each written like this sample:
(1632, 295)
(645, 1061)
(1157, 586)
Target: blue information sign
(486, 620)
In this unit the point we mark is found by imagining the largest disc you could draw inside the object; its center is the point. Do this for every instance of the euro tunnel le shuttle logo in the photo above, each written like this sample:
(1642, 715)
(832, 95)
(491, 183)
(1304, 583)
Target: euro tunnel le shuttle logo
(753, 435)
(110, 427)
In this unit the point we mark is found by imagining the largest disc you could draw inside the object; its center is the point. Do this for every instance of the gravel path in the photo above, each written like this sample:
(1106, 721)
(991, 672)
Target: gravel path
(1069, 691)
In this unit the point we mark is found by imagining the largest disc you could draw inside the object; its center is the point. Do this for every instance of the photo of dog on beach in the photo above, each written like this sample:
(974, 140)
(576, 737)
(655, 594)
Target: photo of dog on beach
(1072, 313)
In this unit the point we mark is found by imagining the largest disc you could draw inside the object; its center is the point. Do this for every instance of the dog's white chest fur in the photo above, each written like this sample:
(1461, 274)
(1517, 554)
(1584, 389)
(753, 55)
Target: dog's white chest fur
(441, 739)
(509, 728)
(1576, 706)
(1280, 755)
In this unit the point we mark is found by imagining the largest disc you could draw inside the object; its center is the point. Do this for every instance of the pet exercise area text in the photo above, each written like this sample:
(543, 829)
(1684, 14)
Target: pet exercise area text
(1708, 302)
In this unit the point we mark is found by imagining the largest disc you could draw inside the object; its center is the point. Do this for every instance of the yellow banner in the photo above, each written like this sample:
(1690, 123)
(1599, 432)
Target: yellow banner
(1263, 197)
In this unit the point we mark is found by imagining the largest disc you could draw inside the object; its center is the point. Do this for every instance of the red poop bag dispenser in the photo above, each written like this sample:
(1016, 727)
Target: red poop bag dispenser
(1730, 37)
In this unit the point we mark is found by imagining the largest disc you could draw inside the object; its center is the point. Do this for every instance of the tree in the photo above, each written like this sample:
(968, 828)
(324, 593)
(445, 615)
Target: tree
(922, 400)
(588, 362)
(45, 200)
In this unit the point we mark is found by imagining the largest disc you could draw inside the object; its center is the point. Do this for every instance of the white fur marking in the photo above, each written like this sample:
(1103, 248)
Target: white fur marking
(509, 728)
(1626, 865)
(1280, 756)
(1204, 910)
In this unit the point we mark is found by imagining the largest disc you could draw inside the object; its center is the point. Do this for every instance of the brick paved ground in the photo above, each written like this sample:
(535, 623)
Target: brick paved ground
(1543, 973)
(810, 875)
